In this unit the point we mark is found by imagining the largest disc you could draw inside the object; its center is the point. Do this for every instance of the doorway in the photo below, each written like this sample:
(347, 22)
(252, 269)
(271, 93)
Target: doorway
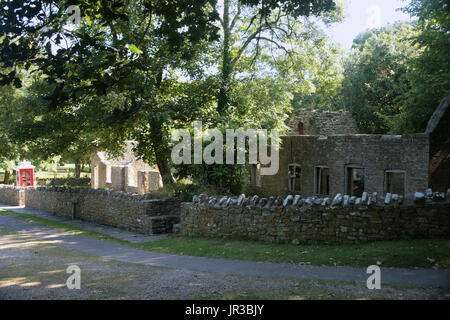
(355, 180)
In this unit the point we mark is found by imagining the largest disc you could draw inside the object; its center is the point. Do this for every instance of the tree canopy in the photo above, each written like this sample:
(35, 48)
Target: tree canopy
(138, 69)
(396, 76)
(126, 48)
(430, 76)
(376, 76)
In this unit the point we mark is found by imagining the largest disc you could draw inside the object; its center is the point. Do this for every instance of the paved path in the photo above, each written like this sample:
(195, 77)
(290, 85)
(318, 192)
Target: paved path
(106, 249)
(91, 226)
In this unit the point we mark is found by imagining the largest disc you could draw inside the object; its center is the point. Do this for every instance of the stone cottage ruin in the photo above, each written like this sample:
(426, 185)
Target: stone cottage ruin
(127, 173)
(321, 155)
(337, 186)
(324, 155)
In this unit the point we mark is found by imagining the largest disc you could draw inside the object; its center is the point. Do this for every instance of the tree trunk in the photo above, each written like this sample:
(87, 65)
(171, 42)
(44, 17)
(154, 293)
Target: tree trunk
(7, 176)
(160, 149)
(159, 144)
(164, 169)
(162, 156)
(224, 94)
(77, 169)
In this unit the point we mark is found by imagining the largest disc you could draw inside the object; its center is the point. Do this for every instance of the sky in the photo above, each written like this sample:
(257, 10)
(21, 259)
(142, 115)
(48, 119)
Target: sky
(362, 14)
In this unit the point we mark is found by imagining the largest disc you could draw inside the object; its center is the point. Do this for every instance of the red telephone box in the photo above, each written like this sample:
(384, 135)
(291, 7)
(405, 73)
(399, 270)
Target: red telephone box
(25, 174)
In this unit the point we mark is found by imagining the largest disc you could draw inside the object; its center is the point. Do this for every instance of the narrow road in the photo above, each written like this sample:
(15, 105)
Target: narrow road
(106, 249)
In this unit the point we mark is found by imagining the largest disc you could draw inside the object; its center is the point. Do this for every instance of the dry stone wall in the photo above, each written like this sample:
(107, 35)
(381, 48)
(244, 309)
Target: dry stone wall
(12, 195)
(113, 208)
(341, 219)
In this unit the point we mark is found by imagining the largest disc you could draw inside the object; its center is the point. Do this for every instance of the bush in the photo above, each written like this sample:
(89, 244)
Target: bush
(220, 179)
(184, 190)
(71, 182)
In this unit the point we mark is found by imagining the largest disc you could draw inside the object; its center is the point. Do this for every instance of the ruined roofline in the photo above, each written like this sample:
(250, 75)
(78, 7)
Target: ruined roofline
(127, 158)
(109, 161)
(102, 157)
(438, 115)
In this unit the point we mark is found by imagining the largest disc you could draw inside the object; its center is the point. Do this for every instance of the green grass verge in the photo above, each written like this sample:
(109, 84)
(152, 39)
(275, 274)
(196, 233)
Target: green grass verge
(415, 253)
(407, 254)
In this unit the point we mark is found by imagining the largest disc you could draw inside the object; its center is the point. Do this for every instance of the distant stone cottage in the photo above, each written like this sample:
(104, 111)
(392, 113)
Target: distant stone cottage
(127, 173)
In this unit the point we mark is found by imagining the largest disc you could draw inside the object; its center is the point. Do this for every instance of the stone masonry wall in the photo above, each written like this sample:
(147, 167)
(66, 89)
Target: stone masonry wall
(297, 220)
(317, 122)
(112, 208)
(12, 195)
(375, 153)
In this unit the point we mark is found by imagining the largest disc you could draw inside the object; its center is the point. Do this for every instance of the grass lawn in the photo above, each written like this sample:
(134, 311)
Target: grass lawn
(408, 254)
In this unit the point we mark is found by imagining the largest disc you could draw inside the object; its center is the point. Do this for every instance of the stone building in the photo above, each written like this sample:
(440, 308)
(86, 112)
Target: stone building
(350, 164)
(323, 155)
(317, 122)
(127, 173)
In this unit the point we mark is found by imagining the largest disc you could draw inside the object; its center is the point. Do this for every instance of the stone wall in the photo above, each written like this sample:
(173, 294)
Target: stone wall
(342, 219)
(317, 122)
(112, 208)
(376, 154)
(12, 195)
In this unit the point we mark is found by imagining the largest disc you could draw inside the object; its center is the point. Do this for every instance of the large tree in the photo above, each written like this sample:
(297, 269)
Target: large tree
(430, 71)
(265, 75)
(375, 76)
(396, 76)
(247, 24)
(9, 152)
(132, 56)
(129, 48)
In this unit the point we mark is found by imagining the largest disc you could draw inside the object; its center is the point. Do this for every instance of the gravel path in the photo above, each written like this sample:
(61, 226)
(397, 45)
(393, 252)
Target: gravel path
(108, 250)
